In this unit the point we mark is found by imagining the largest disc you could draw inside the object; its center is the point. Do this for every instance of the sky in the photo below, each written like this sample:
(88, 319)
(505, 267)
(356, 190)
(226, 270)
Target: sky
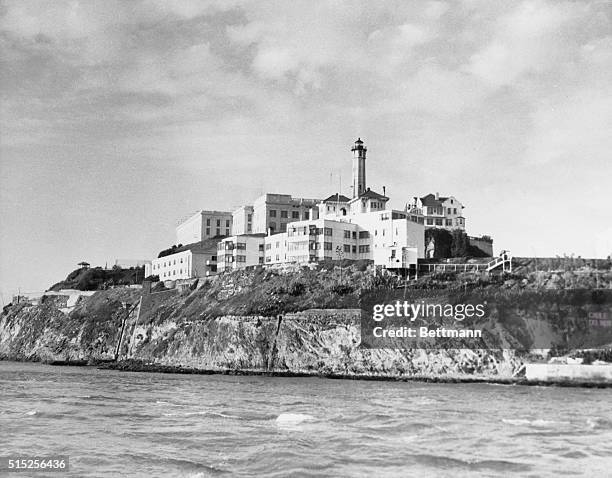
(118, 119)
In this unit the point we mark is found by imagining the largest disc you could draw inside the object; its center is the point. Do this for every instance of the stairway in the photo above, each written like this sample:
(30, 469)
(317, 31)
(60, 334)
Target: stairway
(505, 261)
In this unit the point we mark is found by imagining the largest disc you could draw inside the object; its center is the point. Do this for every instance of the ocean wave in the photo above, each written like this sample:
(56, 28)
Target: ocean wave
(534, 423)
(289, 418)
(202, 412)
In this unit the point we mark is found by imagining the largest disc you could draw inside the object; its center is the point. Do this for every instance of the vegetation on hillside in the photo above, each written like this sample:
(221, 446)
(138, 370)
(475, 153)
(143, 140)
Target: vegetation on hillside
(451, 244)
(98, 278)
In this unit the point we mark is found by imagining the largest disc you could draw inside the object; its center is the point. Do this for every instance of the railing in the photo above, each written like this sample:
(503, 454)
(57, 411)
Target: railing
(452, 267)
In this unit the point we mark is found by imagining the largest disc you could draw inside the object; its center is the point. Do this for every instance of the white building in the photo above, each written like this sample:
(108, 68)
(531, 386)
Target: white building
(188, 262)
(204, 225)
(272, 212)
(241, 251)
(243, 221)
(441, 212)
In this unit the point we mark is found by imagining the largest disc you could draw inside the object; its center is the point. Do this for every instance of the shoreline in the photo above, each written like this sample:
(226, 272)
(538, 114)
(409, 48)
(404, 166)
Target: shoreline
(143, 367)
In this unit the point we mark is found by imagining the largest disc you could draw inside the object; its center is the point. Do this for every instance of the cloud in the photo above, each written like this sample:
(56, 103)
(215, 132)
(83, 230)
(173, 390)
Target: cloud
(532, 38)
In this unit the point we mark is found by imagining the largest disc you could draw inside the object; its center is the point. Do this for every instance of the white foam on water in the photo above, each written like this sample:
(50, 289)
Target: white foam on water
(30, 413)
(293, 418)
(534, 423)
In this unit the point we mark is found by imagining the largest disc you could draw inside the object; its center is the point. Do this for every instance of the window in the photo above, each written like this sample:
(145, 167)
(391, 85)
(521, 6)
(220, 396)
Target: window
(283, 227)
(363, 249)
(261, 260)
(327, 246)
(241, 245)
(454, 210)
(354, 249)
(438, 222)
(227, 223)
(448, 210)
(261, 247)
(227, 232)
(354, 234)
(449, 222)
(268, 247)
(218, 222)
(240, 258)
(213, 258)
(306, 215)
(364, 234)
(208, 222)
(249, 217)
(208, 231)
(181, 260)
(218, 232)
(277, 257)
(347, 248)
(392, 253)
(272, 212)
(295, 214)
(284, 214)
(328, 231)
(430, 222)
(347, 234)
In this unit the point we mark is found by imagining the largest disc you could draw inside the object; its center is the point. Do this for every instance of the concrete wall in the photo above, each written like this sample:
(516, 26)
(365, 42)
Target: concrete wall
(484, 245)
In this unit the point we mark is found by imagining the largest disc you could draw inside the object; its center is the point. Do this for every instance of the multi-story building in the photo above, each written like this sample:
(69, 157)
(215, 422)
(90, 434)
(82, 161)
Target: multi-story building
(243, 221)
(239, 252)
(204, 225)
(442, 212)
(325, 239)
(272, 213)
(188, 262)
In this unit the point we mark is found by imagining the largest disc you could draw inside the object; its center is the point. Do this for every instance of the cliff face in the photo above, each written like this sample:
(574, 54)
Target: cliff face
(248, 323)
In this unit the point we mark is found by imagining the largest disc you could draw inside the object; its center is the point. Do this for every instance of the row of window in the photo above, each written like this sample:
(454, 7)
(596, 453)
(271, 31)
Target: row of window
(218, 232)
(444, 222)
(285, 214)
(227, 222)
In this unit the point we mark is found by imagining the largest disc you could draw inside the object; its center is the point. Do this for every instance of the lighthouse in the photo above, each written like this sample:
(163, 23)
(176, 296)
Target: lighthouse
(359, 170)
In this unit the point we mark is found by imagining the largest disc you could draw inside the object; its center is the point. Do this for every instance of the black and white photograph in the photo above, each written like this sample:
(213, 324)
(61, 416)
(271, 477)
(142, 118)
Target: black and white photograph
(305, 238)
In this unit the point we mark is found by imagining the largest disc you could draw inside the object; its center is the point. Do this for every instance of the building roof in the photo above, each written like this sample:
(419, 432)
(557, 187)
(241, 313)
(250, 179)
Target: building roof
(369, 194)
(430, 200)
(202, 247)
(337, 198)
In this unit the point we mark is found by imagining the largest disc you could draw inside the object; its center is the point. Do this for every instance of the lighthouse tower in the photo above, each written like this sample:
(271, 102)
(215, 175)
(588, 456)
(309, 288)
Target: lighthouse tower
(359, 170)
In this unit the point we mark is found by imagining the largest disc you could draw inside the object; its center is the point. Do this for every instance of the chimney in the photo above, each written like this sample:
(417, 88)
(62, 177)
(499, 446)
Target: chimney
(384, 190)
(437, 196)
(415, 200)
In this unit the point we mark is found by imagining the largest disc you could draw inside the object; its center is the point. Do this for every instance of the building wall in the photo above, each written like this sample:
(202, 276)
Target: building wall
(449, 215)
(238, 252)
(485, 245)
(277, 210)
(322, 239)
(184, 265)
(204, 225)
(275, 249)
(242, 220)
(391, 228)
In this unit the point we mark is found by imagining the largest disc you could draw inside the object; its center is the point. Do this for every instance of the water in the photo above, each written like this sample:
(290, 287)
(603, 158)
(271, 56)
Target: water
(136, 424)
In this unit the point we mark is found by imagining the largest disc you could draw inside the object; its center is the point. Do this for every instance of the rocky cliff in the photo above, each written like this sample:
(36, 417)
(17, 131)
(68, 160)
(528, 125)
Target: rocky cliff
(304, 322)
